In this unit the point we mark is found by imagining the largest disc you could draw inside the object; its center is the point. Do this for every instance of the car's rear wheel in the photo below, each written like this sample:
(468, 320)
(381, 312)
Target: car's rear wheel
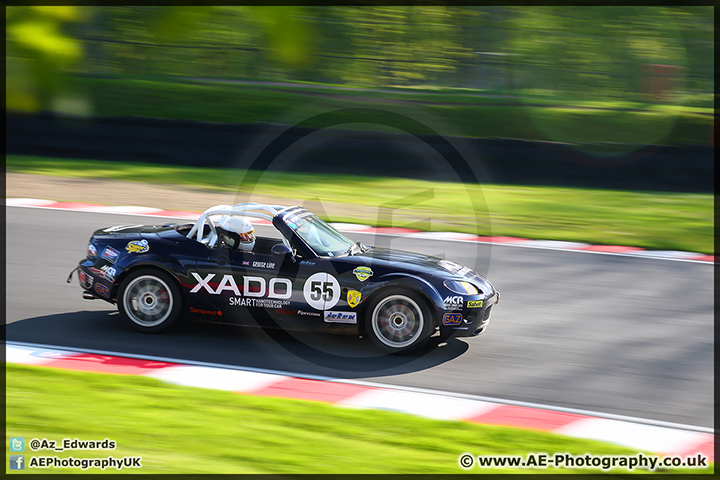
(149, 300)
(398, 321)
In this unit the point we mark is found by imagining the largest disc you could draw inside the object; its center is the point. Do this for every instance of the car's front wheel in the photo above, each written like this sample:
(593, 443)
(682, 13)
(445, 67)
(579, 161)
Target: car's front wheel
(149, 300)
(398, 321)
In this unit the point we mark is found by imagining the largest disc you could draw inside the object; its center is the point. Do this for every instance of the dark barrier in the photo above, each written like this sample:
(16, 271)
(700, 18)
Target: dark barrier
(686, 168)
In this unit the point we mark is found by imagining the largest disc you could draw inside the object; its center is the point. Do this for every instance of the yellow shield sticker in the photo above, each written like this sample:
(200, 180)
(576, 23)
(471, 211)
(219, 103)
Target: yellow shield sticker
(353, 298)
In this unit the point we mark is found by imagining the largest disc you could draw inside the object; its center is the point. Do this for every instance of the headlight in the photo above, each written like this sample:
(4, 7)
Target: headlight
(463, 288)
(91, 250)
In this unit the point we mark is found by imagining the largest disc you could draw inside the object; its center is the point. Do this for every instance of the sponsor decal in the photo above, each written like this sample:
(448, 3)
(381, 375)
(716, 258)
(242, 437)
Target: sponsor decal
(263, 264)
(85, 279)
(137, 246)
(306, 262)
(474, 303)
(283, 311)
(102, 290)
(92, 250)
(110, 254)
(108, 272)
(205, 312)
(256, 292)
(120, 227)
(308, 314)
(280, 288)
(363, 273)
(258, 302)
(353, 298)
(453, 302)
(340, 317)
(321, 291)
(452, 319)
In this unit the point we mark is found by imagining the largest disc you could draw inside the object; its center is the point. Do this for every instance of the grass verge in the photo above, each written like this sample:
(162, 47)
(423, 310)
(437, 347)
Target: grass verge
(654, 220)
(190, 430)
(453, 113)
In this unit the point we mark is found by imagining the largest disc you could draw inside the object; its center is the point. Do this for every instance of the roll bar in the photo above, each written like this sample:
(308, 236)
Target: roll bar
(252, 209)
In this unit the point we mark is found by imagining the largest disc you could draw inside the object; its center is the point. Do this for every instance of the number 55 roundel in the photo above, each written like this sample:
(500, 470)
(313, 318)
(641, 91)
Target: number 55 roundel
(321, 291)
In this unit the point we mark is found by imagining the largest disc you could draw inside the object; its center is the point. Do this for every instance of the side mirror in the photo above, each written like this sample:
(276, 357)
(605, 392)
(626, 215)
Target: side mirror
(282, 249)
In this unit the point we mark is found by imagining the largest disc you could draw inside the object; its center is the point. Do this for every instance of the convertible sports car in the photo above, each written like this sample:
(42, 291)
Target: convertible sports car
(308, 277)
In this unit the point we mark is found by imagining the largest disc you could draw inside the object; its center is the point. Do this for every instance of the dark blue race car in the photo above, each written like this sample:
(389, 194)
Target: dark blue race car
(308, 276)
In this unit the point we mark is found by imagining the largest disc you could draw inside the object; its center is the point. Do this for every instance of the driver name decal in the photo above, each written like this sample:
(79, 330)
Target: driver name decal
(263, 264)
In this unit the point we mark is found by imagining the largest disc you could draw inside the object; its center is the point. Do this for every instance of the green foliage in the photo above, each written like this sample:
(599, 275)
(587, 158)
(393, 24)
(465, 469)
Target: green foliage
(561, 120)
(655, 220)
(288, 37)
(578, 52)
(577, 45)
(39, 49)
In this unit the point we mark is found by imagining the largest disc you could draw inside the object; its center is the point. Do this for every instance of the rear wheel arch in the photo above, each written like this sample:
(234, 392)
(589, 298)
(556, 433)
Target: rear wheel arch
(149, 298)
(137, 266)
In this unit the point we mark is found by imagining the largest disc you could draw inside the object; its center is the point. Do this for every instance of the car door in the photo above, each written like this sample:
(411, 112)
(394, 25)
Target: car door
(246, 287)
(264, 284)
(217, 283)
(320, 293)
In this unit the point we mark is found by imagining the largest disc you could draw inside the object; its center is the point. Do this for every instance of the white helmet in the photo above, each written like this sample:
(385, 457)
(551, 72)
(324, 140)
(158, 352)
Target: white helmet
(243, 228)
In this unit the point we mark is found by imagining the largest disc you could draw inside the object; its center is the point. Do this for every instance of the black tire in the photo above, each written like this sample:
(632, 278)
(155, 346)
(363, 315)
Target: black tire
(149, 300)
(398, 321)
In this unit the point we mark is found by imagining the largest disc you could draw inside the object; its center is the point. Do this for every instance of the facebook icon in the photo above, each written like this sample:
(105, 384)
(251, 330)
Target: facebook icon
(17, 462)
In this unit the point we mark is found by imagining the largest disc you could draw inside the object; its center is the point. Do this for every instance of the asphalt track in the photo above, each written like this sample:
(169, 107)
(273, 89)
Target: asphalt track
(613, 334)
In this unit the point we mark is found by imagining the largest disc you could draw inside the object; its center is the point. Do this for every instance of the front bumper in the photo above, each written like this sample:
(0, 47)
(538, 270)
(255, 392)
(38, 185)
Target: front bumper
(468, 322)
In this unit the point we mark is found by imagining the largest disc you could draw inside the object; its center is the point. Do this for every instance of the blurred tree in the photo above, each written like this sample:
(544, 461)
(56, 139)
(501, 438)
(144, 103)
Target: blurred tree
(582, 52)
(45, 44)
(38, 49)
(593, 52)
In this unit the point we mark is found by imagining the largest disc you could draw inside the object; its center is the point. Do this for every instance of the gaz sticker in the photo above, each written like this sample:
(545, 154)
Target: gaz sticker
(452, 319)
(102, 290)
(321, 291)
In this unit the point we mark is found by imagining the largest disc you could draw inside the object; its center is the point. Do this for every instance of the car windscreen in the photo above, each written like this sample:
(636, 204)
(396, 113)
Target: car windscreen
(321, 237)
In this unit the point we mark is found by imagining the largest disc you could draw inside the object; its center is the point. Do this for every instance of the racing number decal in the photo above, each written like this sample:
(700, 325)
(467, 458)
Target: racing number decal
(321, 291)
(316, 291)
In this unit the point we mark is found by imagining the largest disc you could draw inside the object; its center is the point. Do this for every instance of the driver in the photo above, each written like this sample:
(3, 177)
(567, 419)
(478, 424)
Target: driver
(241, 233)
